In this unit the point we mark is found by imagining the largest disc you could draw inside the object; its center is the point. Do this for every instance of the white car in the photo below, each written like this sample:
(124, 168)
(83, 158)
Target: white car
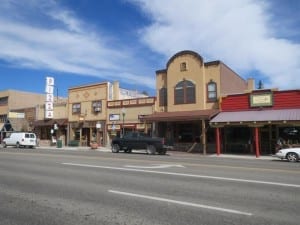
(291, 154)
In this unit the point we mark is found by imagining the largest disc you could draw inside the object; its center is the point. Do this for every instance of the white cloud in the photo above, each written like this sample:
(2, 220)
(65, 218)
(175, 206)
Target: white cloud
(61, 42)
(238, 32)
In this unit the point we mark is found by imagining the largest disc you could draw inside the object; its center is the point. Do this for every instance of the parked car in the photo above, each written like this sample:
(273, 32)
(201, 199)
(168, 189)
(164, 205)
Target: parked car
(20, 139)
(137, 141)
(291, 154)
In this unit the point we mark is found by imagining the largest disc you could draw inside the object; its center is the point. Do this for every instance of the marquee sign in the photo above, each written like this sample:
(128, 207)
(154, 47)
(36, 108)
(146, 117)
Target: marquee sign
(49, 97)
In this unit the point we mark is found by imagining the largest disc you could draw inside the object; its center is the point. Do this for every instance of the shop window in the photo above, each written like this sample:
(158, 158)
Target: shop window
(163, 97)
(97, 106)
(185, 92)
(212, 91)
(290, 135)
(76, 108)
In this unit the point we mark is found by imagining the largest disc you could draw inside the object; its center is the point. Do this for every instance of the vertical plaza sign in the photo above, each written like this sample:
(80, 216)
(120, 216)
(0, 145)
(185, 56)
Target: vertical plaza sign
(49, 97)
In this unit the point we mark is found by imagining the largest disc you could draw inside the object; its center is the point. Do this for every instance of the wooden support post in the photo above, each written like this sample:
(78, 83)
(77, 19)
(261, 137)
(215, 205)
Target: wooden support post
(256, 142)
(204, 137)
(218, 147)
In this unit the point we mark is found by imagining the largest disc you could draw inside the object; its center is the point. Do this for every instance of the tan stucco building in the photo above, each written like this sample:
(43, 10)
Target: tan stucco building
(95, 112)
(17, 110)
(188, 92)
(127, 115)
(87, 112)
(49, 131)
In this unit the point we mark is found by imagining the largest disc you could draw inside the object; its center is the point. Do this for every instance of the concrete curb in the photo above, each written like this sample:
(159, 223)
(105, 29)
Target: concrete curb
(107, 149)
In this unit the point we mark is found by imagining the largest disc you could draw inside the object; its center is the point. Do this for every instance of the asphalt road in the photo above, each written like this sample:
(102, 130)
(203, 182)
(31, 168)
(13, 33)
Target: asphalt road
(60, 187)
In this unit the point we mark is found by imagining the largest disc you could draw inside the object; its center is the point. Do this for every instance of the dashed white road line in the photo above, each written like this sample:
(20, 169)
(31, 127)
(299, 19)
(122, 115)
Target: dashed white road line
(181, 202)
(186, 175)
(155, 166)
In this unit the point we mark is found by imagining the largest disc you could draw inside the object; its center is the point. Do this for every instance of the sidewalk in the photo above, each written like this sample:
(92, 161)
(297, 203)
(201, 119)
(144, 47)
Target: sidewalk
(263, 157)
(108, 149)
(79, 148)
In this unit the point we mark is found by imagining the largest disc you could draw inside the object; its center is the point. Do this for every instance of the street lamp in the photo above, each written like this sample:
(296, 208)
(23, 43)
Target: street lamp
(123, 115)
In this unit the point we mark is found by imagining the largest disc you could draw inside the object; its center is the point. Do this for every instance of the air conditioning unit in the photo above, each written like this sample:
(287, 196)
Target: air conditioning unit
(97, 109)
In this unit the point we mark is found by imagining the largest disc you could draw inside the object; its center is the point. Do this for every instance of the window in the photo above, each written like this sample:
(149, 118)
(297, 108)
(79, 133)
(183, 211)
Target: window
(185, 92)
(76, 108)
(4, 101)
(212, 91)
(97, 106)
(183, 66)
(163, 97)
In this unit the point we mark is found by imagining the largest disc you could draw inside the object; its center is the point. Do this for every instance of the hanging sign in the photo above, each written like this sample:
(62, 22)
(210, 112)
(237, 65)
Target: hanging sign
(49, 97)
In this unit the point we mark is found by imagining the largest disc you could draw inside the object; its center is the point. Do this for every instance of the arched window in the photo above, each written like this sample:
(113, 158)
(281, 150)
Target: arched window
(212, 91)
(163, 97)
(185, 92)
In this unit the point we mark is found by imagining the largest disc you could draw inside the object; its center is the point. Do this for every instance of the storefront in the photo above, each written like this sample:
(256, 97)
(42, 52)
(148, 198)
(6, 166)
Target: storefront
(187, 131)
(127, 115)
(50, 130)
(85, 132)
(255, 123)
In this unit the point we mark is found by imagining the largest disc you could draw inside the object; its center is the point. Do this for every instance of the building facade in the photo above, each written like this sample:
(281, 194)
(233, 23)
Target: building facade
(17, 110)
(87, 113)
(50, 130)
(127, 115)
(188, 92)
(94, 112)
(254, 122)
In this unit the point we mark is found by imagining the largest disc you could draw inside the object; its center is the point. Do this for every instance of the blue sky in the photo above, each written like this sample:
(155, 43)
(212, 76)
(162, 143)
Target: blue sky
(86, 41)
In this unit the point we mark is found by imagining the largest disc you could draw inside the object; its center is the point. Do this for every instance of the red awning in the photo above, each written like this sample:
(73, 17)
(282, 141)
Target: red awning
(180, 116)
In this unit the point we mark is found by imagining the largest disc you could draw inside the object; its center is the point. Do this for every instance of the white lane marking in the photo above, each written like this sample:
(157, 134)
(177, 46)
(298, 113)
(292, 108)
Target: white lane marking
(181, 202)
(185, 175)
(155, 166)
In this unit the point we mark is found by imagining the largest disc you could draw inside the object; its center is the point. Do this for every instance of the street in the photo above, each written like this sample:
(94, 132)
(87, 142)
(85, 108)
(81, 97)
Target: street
(43, 187)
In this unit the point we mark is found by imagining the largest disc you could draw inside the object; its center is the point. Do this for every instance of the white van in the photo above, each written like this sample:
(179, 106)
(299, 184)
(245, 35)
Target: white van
(20, 139)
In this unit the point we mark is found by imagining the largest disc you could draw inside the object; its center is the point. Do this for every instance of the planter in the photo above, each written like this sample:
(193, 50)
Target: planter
(94, 145)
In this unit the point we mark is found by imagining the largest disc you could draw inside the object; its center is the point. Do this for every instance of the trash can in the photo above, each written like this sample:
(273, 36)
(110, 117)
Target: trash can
(59, 143)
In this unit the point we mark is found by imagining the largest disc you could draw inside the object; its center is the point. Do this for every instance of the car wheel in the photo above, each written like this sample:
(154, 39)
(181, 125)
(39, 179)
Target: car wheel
(115, 148)
(162, 152)
(292, 157)
(151, 149)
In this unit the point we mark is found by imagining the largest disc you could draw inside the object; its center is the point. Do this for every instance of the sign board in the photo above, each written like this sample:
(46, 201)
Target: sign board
(16, 115)
(49, 89)
(49, 98)
(114, 117)
(49, 81)
(49, 114)
(259, 100)
(49, 106)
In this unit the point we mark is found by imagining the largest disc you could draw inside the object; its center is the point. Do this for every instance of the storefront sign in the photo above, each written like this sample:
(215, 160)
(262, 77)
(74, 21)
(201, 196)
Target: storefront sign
(16, 115)
(258, 100)
(114, 117)
(49, 98)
